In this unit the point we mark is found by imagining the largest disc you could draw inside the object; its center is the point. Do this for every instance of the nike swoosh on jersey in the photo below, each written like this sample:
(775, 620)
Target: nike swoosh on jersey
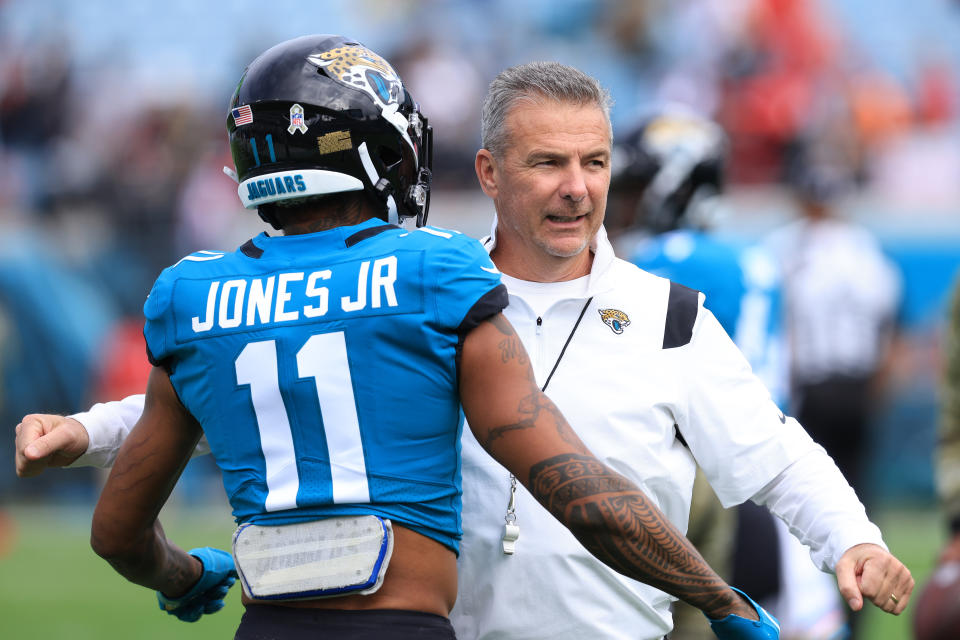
(207, 255)
(490, 269)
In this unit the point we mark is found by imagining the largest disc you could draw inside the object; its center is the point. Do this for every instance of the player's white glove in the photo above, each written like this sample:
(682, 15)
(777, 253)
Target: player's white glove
(734, 627)
(207, 595)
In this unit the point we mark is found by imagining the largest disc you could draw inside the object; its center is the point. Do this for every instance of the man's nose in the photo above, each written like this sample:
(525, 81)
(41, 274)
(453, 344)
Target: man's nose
(574, 187)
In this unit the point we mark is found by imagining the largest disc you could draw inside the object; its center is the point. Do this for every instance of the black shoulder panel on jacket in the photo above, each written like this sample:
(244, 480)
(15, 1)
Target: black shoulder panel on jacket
(681, 315)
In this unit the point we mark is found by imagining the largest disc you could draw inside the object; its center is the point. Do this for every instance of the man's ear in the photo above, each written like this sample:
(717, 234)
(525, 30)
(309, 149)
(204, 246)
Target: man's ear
(486, 167)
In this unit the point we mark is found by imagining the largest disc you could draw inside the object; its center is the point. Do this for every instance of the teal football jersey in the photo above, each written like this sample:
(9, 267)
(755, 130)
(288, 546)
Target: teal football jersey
(323, 368)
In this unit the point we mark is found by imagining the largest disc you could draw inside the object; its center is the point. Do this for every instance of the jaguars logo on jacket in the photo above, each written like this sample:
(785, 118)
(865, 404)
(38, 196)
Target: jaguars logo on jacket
(615, 319)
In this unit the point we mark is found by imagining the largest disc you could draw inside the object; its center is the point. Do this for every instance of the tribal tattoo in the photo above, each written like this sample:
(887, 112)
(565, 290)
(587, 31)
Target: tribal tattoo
(619, 525)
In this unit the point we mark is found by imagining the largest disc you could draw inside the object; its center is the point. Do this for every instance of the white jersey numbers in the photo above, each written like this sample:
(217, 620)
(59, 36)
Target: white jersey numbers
(324, 358)
(257, 366)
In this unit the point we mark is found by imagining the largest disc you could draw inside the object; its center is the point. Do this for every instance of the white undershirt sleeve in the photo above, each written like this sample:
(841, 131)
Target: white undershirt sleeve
(820, 508)
(108, 424)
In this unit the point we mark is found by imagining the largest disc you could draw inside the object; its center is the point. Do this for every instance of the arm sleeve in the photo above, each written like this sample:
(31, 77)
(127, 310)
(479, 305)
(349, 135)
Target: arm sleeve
(108, 424)
(734, 429)
(820, 508)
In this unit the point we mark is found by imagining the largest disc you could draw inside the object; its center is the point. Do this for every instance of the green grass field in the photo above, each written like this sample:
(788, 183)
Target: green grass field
(53, 586)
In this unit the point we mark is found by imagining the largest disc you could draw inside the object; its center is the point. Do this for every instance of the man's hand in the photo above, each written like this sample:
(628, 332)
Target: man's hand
(207, 595)
(736, 627)
(867, 571)
(45, 440)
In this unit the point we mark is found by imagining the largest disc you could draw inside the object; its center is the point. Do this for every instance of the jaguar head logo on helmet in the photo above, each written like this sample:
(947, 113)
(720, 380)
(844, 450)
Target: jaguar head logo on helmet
(323, 114)
(357, 66)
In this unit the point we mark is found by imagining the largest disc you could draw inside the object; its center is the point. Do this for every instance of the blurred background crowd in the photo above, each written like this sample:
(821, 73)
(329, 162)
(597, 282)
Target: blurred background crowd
(112, 140)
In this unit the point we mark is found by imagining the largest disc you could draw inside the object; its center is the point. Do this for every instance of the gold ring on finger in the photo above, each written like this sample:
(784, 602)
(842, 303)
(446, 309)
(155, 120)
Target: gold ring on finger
(895, 599)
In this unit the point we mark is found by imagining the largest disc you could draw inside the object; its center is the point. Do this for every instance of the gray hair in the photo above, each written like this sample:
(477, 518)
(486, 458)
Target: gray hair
(543, 80)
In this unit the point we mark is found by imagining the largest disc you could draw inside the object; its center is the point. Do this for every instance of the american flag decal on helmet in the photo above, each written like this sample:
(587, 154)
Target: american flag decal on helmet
(242, 115)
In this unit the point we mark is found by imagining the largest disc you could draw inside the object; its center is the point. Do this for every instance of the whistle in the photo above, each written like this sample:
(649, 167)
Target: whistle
(510, 534)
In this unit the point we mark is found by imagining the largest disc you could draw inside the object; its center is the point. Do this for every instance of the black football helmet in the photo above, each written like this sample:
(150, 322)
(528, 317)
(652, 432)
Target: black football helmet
(323, 114)
(673, 163)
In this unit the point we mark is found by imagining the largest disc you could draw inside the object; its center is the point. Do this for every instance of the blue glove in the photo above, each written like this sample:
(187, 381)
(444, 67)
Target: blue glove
(734, 627)
(207, 595)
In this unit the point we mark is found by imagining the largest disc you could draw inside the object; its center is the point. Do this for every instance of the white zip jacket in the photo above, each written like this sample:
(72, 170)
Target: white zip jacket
(623, 390)
(641, 361)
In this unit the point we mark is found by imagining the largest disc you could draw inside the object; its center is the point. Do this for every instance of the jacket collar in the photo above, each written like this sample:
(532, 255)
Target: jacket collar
(603, 256)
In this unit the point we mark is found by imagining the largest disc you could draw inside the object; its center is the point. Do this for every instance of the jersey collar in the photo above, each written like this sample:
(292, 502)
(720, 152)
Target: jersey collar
(336, 238)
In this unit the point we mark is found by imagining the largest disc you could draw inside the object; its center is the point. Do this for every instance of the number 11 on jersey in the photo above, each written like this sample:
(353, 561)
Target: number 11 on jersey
(323, 357)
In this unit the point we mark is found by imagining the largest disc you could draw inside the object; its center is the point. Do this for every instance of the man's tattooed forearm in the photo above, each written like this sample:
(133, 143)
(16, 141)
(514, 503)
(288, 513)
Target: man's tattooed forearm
(618, 524)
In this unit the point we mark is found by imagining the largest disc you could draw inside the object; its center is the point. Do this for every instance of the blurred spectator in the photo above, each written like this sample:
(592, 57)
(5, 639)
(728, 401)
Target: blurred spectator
(146, 173)
(35, 109)
(918, 143)
(772, 83)
(841, 298)
(208, 213)
(692, 68)
(948, 448)
(935, 612)
(449, 89)
(8, 532)
(123, 368)
(880, 107)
